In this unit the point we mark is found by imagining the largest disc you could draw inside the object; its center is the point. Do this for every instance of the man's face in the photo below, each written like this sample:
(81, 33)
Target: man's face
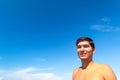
(84, 50)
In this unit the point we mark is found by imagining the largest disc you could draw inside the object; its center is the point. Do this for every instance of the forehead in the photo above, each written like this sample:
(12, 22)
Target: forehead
(83, 43)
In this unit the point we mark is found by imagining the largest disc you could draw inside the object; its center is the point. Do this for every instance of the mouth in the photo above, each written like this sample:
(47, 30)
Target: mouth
(82, 54)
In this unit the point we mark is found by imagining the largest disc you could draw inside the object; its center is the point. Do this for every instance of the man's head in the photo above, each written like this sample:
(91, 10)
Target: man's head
(86, 39)
(85, 47)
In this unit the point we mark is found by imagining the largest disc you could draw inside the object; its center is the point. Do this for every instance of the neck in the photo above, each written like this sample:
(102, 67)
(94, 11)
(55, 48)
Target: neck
(86, 63)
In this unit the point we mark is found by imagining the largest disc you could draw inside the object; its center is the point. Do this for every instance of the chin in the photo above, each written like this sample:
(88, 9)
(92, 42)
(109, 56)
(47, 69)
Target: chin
(82, 58)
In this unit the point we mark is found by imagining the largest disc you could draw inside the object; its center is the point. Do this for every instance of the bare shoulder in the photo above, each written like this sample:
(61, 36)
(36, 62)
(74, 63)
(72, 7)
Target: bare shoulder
(103, 66)
(107, 72)
(75, 71)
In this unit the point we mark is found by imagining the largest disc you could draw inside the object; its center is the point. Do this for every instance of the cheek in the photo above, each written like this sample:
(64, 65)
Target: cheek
(78, 50)
(90, 52)
(90, 49)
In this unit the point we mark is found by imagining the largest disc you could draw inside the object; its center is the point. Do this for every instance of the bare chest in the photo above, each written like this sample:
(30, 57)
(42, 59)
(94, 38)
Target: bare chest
(88, 75)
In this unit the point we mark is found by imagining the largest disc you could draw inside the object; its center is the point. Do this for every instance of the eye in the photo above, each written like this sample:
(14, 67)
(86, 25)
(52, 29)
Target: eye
(78, 46)
(86, 46)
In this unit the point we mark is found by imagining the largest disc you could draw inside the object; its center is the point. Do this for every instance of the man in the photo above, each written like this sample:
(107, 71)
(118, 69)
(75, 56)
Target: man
(89, 69)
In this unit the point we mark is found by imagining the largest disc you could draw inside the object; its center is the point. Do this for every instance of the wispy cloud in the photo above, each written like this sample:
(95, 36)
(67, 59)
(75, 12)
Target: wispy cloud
(1, 78)
(105, 19)
(68, 74)
(105, 26)
(29, 74)
(45, 69)
(40, 59)
(117, 72)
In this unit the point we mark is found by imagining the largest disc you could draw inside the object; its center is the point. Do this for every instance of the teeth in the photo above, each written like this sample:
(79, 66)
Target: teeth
(83, 53)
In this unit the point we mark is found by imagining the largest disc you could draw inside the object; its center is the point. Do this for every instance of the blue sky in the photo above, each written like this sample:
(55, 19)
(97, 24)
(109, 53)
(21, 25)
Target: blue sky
(37, 37)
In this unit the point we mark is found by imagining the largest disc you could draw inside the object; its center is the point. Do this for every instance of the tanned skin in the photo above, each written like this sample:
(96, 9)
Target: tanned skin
(89, 69)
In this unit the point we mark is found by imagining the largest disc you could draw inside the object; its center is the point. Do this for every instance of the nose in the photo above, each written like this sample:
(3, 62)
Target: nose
(82, 48)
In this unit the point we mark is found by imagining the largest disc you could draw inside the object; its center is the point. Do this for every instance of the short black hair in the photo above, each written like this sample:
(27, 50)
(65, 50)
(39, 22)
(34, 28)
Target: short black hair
(91, 42)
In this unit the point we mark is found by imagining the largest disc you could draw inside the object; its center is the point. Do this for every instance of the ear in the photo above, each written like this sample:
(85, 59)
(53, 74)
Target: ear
(94, 50)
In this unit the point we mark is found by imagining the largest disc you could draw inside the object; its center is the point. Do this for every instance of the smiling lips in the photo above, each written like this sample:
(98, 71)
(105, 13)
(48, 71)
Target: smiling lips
(82, 53)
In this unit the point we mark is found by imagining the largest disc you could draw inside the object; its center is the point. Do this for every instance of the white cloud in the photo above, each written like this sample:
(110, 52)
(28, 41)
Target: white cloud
(104, 28)
(44, 69)
(33, 74)
(40, 59)
(68, 74)
(1, 71)
(45, 76)
(1, 78)
(29, 74)
(106, 19)
(117, 72)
